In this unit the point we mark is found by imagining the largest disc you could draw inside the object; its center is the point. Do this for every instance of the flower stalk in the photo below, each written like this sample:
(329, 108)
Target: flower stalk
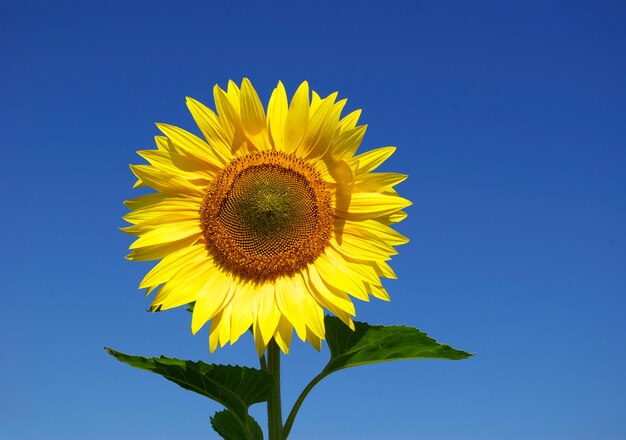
(274, 412)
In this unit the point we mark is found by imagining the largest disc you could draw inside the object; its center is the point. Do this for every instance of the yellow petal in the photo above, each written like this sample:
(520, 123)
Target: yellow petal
(168, 266)
(211, 129)
(277, 114)
(313, 312)
(288, 300)
(379, 292)
(166, 183)
(224, 331)
(297, 119)
(230, 121)
(392, 218)
(346, 144)
(349, 121)
(191, 144)
(313, 339)
(162, 143)
(253, 116)
(384, 270)
(334, 171)
(184, 286)
(321, 127)
(168, 233)
(336, 301)
(371, 205)
(234, 95)
(377, 182)
(360, 270)
(333, 125)
(366, 228)
(361, 245)
(268, 314)
(370, 160)
(159, 251)
(244, 306)
(216, 291)
(214, 332)
(283, 334)
(145, 200)
(315, 101)
(178, 165)
(171, 207)
(258, 339)
(149, 221)
(343, 281)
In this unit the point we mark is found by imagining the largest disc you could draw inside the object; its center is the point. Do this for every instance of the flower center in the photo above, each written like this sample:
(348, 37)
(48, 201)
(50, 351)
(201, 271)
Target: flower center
(267, 214)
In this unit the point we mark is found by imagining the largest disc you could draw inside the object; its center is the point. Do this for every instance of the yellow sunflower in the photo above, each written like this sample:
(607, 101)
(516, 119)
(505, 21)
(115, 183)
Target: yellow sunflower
(269, 220)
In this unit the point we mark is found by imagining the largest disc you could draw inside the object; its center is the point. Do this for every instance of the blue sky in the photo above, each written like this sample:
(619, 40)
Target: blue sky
(509, 118)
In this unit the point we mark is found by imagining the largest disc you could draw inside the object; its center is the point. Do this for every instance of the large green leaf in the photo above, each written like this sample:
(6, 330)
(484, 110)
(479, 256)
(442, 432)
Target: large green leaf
(369, 344)
(234, 387)
(230, 427)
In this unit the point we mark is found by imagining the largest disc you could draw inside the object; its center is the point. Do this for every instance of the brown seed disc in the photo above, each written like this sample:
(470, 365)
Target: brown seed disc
(267, 214)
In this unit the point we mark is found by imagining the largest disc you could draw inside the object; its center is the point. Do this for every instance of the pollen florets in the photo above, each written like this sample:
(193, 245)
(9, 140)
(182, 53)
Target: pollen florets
(267, 214)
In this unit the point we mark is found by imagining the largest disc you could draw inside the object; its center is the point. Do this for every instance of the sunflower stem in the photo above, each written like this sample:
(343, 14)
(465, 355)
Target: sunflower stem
(263, 362)
(274, 413)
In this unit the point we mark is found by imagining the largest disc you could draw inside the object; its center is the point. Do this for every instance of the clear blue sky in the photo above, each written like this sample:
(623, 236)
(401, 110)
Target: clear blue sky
(510, 119)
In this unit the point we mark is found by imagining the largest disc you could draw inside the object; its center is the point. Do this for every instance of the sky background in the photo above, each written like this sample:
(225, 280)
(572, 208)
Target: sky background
(510, 119)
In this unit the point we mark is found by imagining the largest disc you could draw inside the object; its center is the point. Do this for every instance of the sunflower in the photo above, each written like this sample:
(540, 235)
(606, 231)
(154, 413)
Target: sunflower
(269, 220)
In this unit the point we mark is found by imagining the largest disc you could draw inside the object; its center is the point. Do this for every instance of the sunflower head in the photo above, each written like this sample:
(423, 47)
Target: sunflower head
(268, 220)
(267, 215)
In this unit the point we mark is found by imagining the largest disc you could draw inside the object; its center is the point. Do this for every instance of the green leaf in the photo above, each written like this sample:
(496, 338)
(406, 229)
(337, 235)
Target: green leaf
(190, 306)
(234, 387)
(230, 427)
(369, 344)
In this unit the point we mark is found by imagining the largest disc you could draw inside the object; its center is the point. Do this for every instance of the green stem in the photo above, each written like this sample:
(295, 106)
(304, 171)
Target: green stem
(274, 414)
(263, 363)
(296, 406)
